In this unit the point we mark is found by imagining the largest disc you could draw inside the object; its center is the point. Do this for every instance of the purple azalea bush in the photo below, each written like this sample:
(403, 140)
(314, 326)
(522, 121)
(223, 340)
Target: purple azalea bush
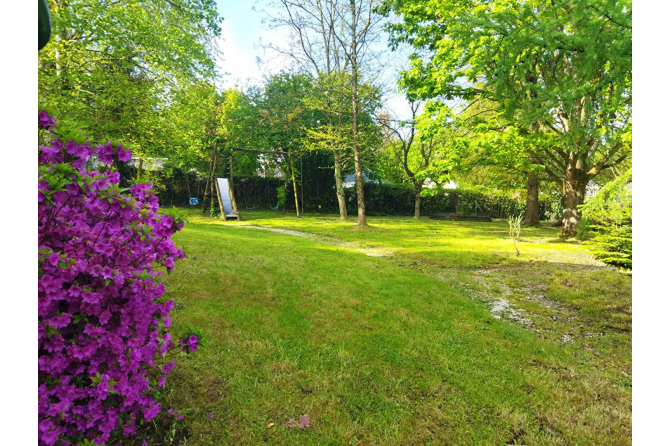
(101, 325)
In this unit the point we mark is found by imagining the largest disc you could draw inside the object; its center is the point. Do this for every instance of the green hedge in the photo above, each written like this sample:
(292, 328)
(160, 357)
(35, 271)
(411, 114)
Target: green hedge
(176, 186)
(398, 199)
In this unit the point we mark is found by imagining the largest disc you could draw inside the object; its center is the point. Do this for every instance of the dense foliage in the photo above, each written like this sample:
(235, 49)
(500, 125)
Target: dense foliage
(133, 71)
(101, 326)
(557, 73)
(610, 215)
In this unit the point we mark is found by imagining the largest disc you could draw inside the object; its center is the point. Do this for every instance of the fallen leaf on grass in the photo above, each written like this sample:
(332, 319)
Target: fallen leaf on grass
(270, 425)
(303, 422)
(291, 423)
(306, 390)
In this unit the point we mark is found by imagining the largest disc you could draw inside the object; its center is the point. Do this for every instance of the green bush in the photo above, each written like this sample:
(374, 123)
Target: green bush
(609, 216)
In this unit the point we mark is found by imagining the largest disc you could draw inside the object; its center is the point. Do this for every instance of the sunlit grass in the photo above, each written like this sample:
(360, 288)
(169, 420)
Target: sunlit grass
(400, 349)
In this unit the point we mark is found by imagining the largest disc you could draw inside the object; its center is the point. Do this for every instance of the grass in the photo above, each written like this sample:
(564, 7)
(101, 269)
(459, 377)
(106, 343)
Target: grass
(401, 349)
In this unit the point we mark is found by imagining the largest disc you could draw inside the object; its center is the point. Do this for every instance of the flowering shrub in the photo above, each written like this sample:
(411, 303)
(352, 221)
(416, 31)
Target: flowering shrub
(101, 327)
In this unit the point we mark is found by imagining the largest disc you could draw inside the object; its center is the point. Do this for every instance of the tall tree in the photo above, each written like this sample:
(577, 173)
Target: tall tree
(361, 27)
(415, 146)
(312, 25)
(490, 147)
(283, 121)
(564, 67)
(333, 37)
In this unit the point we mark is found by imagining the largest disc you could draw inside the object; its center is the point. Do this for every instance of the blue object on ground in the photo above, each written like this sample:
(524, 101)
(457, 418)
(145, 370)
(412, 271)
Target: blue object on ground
(193, 201)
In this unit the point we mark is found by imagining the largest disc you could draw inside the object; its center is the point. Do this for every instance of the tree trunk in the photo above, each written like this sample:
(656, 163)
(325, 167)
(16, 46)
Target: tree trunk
(573, 196)
(231, 169)
(295, 190)
(283, 208)
(140, 162)
(212, 187)
(339, 188)
(532, 201)
(417, 200)
(209, 177)
(359, 186)
(172, 191)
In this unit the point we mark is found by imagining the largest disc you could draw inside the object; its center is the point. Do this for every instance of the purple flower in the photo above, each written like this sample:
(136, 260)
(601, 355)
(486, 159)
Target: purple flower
(107, 272)
(123, 155)
(152, 411)
(176, 414)
(105, 152)
(98, 337)
(105, 317)
(189, 344)
(54, 259)
(44, 120)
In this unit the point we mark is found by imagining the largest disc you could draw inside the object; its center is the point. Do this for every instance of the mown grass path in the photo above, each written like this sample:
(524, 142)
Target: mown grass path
(401, 349)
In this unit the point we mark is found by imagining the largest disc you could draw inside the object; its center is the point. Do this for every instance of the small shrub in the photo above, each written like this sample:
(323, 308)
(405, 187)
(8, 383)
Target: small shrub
(515, 230)
(610, 218)
(281, 196)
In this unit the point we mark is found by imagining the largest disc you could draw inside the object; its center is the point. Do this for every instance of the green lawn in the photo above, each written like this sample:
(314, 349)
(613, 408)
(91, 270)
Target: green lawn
(390, 333)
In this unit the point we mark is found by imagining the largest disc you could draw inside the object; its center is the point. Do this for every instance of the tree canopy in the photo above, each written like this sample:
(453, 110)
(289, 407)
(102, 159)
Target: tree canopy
(561, 71)
(117, 67)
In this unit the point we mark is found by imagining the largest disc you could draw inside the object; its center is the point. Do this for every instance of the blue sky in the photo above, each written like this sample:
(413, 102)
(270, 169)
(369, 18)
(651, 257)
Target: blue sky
(241, 31)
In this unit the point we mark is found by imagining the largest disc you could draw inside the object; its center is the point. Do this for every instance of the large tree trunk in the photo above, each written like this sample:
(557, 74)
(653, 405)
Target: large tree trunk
(339, 188)
(573, 196)
(532, 201)
(417, 200)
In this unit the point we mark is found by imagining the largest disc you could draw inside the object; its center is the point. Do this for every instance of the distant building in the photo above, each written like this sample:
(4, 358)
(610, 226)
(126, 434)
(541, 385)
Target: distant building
(384, 122)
